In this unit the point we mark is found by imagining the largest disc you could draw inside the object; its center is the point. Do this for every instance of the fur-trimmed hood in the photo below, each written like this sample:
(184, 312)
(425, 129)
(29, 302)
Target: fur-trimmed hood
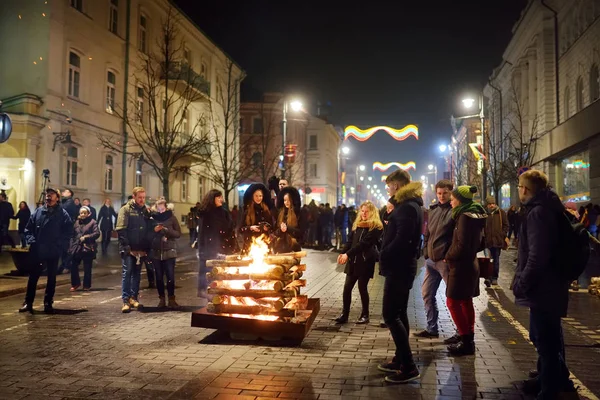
(295, 196)
(413, 190)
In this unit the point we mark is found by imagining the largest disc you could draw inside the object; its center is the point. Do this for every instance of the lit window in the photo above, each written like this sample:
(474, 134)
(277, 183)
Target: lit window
(108, 173)
(143, 39)
(184, 187)
(110, 92)
(140, 105)
(74, 74)
(139, 165)
(72, 162)
(113, 24)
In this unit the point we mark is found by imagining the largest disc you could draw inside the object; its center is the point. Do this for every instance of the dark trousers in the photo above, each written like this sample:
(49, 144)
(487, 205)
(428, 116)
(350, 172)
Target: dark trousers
(106, 240)
(193, 234)
(65, 262)
(161, 268)
(545, 331)
(51, 267)
(495, 255)
(396, 291)
(150, 273)
(87, 271)
(5, 237)
(363, 281)
(23, 240)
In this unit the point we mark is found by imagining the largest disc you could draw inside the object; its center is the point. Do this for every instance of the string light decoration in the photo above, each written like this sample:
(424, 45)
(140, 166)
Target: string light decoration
(384, 167)
(398, 134)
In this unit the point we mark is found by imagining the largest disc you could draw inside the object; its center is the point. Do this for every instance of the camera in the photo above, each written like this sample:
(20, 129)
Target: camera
(46, 173)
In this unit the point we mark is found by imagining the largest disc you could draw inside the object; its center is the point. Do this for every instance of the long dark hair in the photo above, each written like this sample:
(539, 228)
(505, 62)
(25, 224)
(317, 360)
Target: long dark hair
(208, 203)
(26, 206)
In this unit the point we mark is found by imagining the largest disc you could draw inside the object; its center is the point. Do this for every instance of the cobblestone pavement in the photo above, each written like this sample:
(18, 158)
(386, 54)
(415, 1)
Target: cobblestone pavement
(90, 350)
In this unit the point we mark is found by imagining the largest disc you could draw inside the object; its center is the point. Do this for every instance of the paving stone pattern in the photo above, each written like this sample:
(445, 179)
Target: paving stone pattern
(90, 350)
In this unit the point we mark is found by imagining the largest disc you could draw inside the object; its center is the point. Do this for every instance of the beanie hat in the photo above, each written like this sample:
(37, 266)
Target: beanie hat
(86, 208)
(490, 200)
(464, 193)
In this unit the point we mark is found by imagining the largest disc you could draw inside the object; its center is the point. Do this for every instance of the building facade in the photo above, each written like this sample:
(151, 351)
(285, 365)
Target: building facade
(544, 97)
(322, 161)
(76, 72)
(261, 141)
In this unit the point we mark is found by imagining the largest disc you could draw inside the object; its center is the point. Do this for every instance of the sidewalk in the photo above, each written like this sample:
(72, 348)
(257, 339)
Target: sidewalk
(103, 266)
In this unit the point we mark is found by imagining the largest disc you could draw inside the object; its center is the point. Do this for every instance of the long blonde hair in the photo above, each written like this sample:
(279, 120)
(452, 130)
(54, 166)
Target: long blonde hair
(372, 222)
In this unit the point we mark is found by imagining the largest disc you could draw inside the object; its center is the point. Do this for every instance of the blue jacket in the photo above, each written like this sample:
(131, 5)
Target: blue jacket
(537, 283)
(48, 232)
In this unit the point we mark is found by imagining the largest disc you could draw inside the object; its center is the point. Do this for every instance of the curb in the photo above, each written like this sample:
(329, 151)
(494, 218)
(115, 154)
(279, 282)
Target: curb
(99, 274)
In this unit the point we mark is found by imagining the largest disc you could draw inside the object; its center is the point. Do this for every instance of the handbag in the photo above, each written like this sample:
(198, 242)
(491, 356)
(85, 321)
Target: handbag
(486, 267)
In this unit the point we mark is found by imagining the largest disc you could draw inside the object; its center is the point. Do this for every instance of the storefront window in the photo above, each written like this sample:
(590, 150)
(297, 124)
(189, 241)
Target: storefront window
(576, 177)
(505, 196)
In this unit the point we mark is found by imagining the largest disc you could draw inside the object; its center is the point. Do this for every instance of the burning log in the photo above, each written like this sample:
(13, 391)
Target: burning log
(297, 303)
(229, 263)
(296, 284)
(266, 285)
(222, 276)
(255, 294)
(297, 254)
(251, 310)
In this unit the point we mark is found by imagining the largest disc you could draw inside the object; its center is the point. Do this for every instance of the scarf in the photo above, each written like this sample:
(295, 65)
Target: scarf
(470, 206)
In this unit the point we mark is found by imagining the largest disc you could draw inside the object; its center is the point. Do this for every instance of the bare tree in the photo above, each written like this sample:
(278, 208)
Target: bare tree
(265, 143)
(224, 167)
(165, 91)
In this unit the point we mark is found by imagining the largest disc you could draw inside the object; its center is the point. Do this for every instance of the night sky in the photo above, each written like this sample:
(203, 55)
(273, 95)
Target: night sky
(377, 62)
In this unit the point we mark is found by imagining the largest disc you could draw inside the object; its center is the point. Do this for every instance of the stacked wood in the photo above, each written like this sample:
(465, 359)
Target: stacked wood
(238, 287)
(594, 287)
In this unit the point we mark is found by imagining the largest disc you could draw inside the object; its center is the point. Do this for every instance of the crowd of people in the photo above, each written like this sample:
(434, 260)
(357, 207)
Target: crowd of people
(450, 235)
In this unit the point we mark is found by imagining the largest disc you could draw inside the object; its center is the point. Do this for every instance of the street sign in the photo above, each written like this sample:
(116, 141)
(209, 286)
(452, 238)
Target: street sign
(5, 127)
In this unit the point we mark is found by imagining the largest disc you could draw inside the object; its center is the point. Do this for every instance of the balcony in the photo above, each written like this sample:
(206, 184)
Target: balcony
(180, 74)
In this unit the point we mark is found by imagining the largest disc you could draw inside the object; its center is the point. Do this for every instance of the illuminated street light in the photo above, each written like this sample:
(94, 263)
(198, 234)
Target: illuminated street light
(430, 167)
(443, 148)
(362, 178)
(370, 178)
(468, 102)
(374, 186)
(362, 167)
(296, 105)
(345, 150)
(368, 186)
(423, 177)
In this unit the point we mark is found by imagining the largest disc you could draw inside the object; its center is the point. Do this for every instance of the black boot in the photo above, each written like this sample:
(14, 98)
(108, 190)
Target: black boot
(466, 346)
(48, 309)
(342, 319)
(364, 319)
(26, 308)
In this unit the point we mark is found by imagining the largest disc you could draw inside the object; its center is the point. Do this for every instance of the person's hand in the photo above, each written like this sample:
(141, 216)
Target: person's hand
(342, 259)
(283, 227)
(164, 239)
(82, 239)
(255, 228)
(158, 228)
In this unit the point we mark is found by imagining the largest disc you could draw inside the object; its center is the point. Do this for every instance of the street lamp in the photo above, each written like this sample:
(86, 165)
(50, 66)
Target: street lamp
(296, 106)
(443, 148)
(362, 167)
(345, 150)
(469, 103)
(433, 170)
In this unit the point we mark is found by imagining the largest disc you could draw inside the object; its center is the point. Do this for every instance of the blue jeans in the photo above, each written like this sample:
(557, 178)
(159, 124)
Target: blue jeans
(495, 256)
(435, 271)
(545, 331)
(131, 276)
(87, 271)
(165, 267)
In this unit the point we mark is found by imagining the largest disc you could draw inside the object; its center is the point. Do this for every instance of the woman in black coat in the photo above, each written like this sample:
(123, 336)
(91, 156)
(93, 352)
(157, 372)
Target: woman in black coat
(83, 248)
(461, 257)
(216, 234)
(257, 219)
(360, 255)
(288, 235)
(105, 221)
(23, 216)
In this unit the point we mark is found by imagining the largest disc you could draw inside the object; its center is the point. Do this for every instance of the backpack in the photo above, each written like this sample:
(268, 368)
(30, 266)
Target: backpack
(574, 248)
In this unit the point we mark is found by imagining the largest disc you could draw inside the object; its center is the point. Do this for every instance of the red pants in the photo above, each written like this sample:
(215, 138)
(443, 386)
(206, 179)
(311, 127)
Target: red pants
(463, 314)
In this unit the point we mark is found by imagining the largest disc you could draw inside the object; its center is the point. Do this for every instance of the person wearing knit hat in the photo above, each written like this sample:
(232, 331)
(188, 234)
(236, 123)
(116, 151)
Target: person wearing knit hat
(463, 278)
(82, 248)
(496, 236)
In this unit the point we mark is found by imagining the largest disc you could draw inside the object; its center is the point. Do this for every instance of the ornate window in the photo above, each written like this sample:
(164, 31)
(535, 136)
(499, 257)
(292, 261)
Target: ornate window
(143, 34)
(594, 84)
(108, 173)
(74, 74)
(72, 163)
(113, 23)
(110, 91)
(579, 95)
(567, 103)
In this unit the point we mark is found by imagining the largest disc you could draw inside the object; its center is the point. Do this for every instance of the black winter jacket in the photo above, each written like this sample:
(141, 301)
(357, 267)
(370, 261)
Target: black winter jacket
(401, 243)
(361, 250)
(48, 232)
(134, 228)
(165, 249)
(23, 217)
(105, 218)
(537, 283)
(216, 233)
(69, 206)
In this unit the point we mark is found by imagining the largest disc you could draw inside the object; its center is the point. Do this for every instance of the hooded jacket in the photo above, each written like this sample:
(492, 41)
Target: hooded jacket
(401, 242)
(438, 234)
(164, 244)
(537, 283)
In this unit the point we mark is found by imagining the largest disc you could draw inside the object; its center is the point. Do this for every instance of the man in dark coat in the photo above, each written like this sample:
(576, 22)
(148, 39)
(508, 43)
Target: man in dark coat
(6, 213)
(47, 233)
(538, 285)
(400, 249)
(134, 229)
(437, 239)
